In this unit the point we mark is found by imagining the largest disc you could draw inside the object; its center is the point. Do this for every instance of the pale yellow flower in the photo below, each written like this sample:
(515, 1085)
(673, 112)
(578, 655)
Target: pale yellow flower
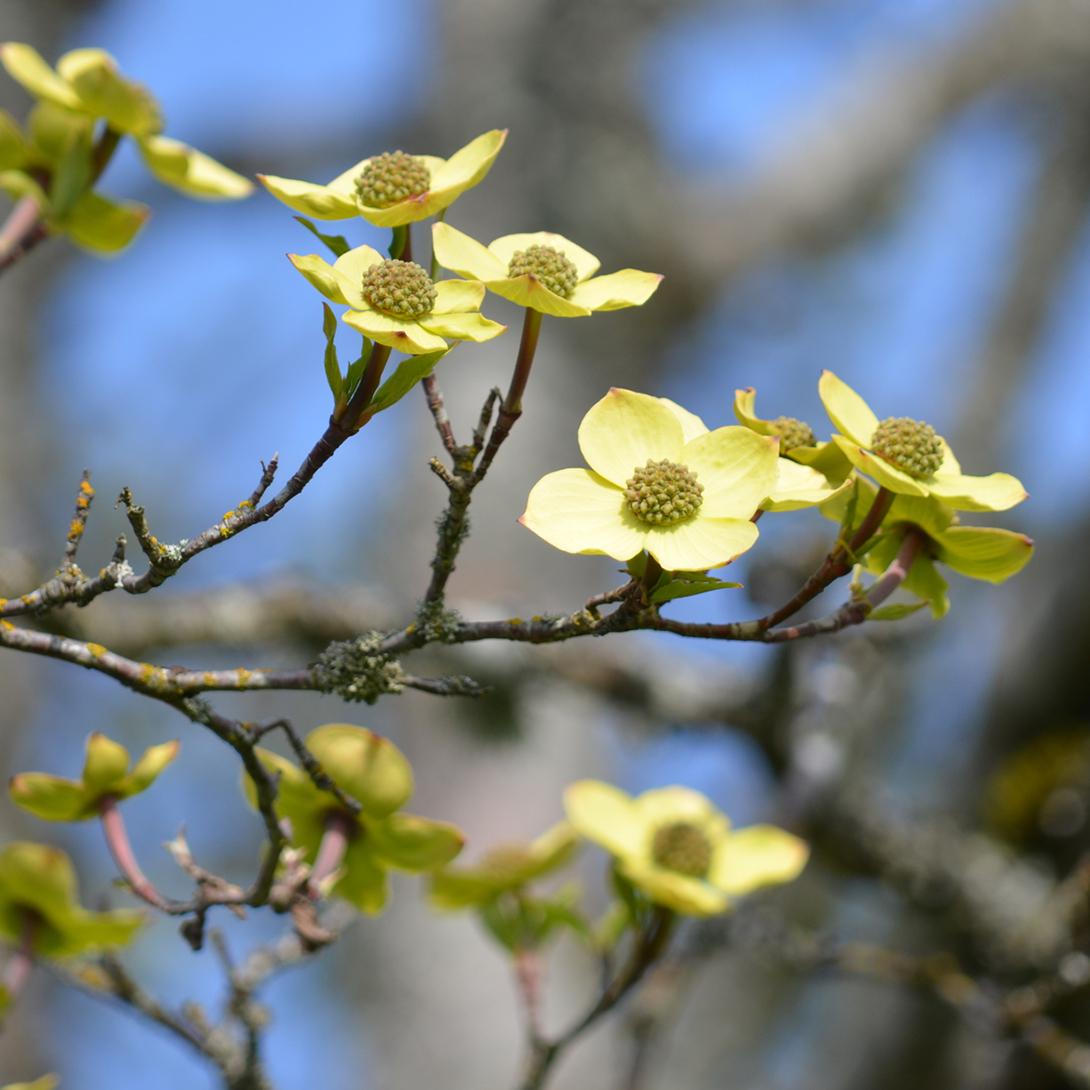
(678, 849)
(414, 320)
(543, 271)
(660, 481)
(441, 182)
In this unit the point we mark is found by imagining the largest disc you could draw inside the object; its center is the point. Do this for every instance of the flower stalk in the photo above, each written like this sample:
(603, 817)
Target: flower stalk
(17, 970)
(340, 828)
(117, 840)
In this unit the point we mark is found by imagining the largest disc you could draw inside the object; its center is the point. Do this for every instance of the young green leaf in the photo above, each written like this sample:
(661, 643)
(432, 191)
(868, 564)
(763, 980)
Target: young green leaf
(896, 611)
(407, 375)
(332, 366)
(684, 584)
(337, 243)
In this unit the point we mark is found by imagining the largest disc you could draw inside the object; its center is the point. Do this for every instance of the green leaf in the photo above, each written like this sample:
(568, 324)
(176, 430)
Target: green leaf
(895, 612)
(355, 369)
(73, 174)
(12, 143)
(407, 375)
(332, 366)
(337, 243)
(504, 926)
(637, 566)
(685, 584)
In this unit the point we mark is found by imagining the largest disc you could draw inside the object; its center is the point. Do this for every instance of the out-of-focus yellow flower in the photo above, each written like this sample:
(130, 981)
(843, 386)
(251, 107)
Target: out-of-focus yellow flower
(88, 82)
(106, 774)
(907, 457)
(678, 849)
(543, 271)
(38, 881)
(684, 494)
(395, 302)
(392, 189)
(373, 771)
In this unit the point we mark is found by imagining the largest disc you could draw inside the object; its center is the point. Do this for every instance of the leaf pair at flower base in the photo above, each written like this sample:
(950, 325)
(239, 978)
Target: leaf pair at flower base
(372, 770)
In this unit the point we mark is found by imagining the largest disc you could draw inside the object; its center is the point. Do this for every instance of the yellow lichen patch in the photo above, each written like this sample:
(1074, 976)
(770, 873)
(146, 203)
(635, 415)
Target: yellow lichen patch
(96, 649)
(243, 677)
(7, 625)
(75, 529)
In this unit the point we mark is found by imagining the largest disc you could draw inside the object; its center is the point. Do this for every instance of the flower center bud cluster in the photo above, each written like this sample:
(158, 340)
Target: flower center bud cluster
(400, 288)
(682, 848)
(392, 177)
(663, 492)
(909, 444)
(793, 433)
(550, 266)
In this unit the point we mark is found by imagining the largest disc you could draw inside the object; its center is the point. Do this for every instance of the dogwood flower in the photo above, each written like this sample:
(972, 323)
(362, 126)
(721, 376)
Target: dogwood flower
(543, 271)
(395, 302)
(106, 774)
(374, 772)
(88, 82)
(38, 882)
(392, 189)
(678, 849)
(687, 501)
(907, 457)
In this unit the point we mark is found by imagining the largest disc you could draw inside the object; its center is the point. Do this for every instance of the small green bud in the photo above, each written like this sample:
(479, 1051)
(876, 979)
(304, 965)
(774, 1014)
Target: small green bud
(663, 493)
(548, 265)
(682, 848)
(793, 433)
(909, 444)
(392, 177)
(399, 288)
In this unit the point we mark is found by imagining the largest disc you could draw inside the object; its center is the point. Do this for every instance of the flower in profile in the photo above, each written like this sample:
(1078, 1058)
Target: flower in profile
(979, 552)
(38, 890)
(106, 775)
(505, 867)
(372, 770)
(678, 849)
(395, 302)
(797, 440)
(907, 457)
(392, 189)
(542, 271)
(684, 494)
(88, 82)
(798, 485)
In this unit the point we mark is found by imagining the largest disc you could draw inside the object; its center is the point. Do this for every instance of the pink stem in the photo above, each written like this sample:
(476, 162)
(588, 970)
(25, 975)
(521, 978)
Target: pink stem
(117, 840)
(18, 968)
(340, 828)
(895, 574)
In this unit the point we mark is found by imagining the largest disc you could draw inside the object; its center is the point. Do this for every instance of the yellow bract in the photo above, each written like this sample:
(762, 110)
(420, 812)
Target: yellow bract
(857, 423)
(980, 552)
(507, 866)
(586, 511)
(454, 315)
(467, 257)
(630, 828)
(339, 200)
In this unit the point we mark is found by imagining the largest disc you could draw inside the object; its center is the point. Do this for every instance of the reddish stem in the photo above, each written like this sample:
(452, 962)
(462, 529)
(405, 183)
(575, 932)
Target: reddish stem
(18, 968)
(340, 828)
(117, 840)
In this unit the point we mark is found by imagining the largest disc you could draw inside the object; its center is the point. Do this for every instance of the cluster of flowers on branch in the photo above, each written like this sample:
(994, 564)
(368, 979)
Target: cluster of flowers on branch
(663, 493)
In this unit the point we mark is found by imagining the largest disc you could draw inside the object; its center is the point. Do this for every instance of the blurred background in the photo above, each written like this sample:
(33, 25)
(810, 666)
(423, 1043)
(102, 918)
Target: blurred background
(896, 190)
